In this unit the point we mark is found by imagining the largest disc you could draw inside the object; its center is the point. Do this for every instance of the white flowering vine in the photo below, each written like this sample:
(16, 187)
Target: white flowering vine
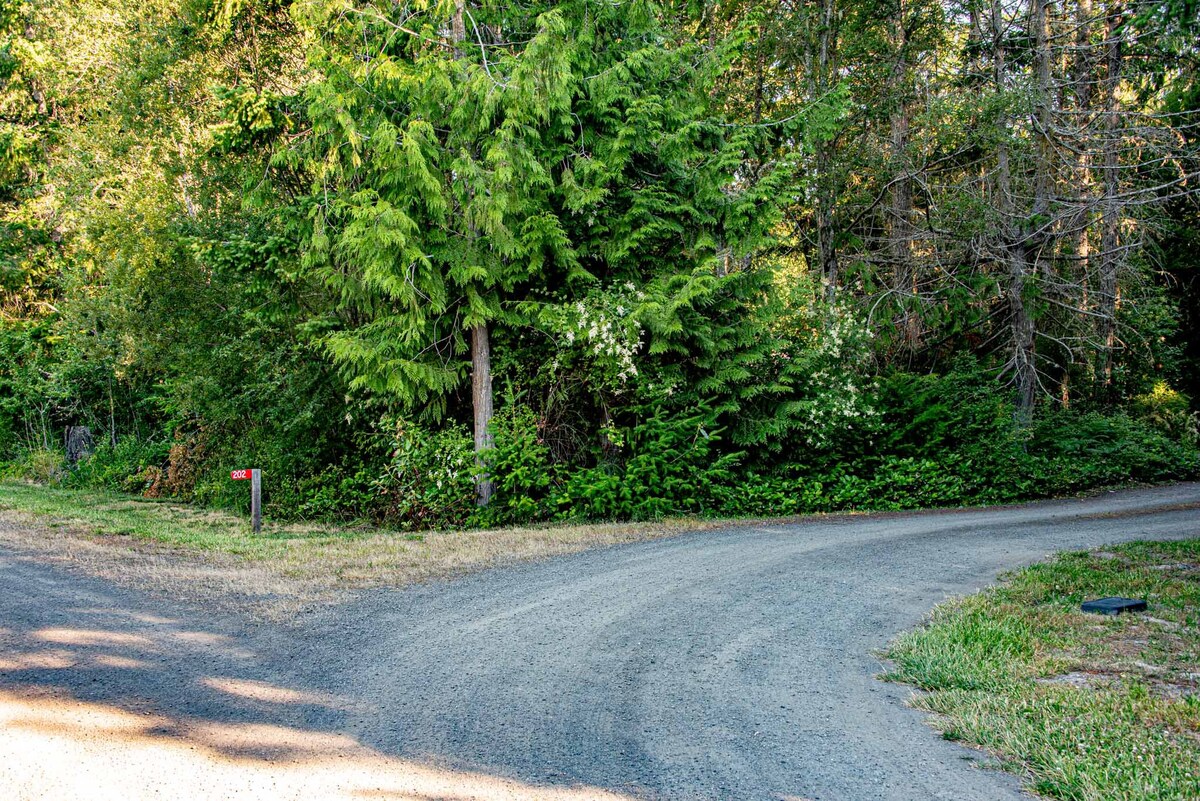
(603, 328)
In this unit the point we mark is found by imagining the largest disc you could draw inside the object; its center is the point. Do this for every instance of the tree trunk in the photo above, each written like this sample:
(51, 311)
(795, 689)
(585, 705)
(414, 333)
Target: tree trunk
(481, 399)
(1082, 64)
(825, 80)
(458, 28)
(901, 235)
(901, 226)
(1082, 67)
(975, 61)
(1024, 332)
(1039, 232)
(79, 443)
(1106, 296)
(1022, 329)
(481, 349)
(826, 251)
(1040, 241)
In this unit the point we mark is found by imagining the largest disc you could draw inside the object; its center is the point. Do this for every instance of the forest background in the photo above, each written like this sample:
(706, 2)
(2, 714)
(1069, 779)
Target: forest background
(448, 263)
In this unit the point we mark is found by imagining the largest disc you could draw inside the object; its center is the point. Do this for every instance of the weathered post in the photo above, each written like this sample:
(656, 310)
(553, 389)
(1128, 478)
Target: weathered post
(256, 500)
(255, 476)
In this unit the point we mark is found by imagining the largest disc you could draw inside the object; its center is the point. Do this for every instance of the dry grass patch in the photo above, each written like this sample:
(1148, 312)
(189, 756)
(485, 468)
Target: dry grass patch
(214, 557)
(396, 559)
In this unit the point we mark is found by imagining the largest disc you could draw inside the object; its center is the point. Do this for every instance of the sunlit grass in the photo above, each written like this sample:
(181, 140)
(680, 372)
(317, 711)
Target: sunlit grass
(320, 557)
(103, 514)
(1089, 707)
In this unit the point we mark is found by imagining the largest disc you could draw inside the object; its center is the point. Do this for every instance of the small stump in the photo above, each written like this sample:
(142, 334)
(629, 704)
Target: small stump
(79, 443)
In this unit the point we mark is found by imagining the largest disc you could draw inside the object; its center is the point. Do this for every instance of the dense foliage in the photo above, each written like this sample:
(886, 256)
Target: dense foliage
(446, 263)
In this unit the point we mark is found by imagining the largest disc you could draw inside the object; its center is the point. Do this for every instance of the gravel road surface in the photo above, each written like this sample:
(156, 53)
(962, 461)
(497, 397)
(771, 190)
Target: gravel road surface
(730, 664)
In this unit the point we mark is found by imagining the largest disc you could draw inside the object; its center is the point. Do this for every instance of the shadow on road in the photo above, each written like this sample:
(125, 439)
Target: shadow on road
(100, 702)
(731, 664)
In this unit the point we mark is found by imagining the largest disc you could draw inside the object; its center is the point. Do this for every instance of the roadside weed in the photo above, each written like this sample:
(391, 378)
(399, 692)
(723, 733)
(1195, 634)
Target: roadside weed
(1088, 707)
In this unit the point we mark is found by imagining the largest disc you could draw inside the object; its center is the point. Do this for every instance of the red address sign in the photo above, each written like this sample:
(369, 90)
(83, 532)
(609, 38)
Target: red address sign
(239, 475)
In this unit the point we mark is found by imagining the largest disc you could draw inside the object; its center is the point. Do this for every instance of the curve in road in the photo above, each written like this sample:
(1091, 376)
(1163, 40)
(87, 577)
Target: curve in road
(730, 664)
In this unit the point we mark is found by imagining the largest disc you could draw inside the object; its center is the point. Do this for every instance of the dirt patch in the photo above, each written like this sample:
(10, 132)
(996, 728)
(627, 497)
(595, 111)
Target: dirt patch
(1078, 678)
(305, 566)
(199, 577)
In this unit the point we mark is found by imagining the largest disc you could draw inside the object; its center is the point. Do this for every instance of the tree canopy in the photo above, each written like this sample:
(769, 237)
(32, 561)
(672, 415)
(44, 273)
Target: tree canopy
(601, 259)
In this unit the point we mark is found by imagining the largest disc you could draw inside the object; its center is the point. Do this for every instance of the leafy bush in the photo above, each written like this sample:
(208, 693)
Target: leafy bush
(43, 465)
(936, 440)
(959, 412)
(521, 467)
(949, 440)
(751, 492)
(1073, 452)
(671, 466)
(132, 465)
(343, 492)
(901, 482)
(1168, 411)
(429, 481)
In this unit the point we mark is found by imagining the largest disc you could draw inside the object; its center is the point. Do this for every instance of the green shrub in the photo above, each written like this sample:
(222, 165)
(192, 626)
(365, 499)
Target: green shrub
(521, 468)
(1167, 411)
(937, 440)
(343, 492)
(669, 466)
(901, 482)
(1073, 452)
(429, 480)
(43, 465)
(753, 494)
(132, 465)
(931, 416)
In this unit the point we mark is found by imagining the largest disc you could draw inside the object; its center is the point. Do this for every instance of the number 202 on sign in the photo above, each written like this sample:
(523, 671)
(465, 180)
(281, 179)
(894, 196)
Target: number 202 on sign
(239, 475)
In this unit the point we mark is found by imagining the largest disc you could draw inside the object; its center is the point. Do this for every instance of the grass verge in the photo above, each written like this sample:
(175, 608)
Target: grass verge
(1088, 707)
(214, 556)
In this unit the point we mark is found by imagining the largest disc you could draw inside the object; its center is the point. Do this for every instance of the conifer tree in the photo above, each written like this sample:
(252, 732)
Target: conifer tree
(471, 157)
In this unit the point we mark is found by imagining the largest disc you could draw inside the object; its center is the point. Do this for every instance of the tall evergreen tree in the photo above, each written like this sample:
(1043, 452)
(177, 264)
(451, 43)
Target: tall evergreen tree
(470, 157)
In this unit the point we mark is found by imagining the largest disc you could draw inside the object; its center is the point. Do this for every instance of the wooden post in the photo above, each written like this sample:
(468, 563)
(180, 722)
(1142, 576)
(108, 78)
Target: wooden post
(256, 500)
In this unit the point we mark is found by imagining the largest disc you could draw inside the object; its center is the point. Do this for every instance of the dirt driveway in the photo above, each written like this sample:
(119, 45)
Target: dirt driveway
(730, 664)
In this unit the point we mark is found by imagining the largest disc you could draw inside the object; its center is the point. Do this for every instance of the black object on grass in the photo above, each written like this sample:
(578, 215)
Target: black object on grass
(1114, 606)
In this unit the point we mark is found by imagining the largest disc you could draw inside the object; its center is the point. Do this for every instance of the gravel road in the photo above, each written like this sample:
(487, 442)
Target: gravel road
(730, 664)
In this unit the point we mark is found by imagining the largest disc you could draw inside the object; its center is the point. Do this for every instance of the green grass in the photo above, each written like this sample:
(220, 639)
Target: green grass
(307, 558)
(1088, 707)
(102, 514)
